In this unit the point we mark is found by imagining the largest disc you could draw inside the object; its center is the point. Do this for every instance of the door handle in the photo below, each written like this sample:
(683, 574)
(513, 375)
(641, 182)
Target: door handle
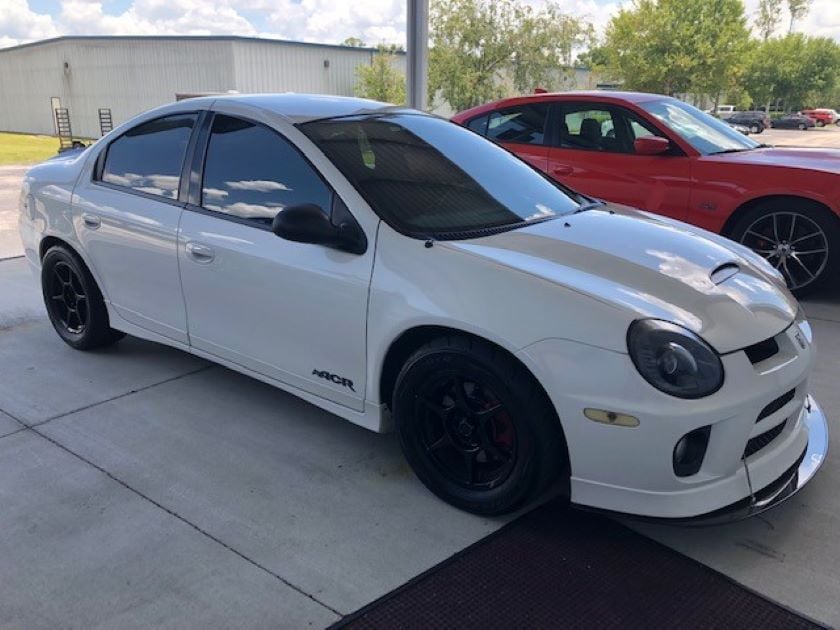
(563, 169)
(91, 220)
(200, 253)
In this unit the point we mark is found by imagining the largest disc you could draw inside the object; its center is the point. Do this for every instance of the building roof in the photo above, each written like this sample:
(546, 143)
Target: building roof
(154, 38)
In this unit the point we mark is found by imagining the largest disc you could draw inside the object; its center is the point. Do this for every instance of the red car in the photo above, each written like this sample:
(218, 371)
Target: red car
(662, 155)
(822, 117)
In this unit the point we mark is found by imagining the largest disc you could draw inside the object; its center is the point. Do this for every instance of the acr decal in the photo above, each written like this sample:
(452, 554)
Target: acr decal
(335, 378)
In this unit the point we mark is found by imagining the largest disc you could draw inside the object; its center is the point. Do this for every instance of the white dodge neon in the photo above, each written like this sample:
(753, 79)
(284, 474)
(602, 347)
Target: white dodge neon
(388, 265)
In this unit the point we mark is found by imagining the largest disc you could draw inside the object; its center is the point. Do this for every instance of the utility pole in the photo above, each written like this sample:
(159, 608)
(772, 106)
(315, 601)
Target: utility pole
(417, 55)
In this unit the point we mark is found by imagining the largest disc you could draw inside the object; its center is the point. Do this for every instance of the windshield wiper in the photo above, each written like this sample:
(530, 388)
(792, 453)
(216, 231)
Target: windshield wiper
(595, 203)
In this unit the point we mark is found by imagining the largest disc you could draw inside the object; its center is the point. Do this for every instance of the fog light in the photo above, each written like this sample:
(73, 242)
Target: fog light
(690, 451)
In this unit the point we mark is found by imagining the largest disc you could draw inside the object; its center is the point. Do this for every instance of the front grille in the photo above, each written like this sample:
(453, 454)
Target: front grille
(777, 404)
(761, 441)
(762, 350)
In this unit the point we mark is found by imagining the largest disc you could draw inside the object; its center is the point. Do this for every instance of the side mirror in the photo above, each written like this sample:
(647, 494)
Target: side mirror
(651, 145)
(308, 223)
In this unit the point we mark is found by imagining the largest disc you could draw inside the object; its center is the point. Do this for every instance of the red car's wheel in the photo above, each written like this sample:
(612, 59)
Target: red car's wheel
(798, 237)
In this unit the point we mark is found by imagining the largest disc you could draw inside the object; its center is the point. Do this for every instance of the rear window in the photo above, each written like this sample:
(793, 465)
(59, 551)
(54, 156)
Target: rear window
(428, 177)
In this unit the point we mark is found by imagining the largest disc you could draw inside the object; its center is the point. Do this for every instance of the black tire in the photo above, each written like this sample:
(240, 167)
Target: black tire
(755, 229)
(73, 301)
(755, 129)
(513, 425)
(820, 123)
(802, 127)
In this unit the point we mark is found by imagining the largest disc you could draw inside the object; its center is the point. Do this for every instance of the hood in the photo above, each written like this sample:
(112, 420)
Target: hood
(825, 160)
(652, 267)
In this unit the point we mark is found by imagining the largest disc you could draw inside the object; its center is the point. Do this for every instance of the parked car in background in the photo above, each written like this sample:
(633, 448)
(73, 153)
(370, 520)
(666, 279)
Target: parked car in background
(388, 265)
(738, 128)
(822, 116)
(723, 111)
(794, 121)
(756, 122)
(665, 156)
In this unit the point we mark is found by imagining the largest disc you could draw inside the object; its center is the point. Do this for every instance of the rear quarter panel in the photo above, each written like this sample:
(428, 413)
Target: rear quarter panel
(45, 203)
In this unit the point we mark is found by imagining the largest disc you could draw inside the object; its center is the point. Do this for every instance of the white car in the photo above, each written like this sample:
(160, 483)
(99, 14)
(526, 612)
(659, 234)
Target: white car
(395, 268)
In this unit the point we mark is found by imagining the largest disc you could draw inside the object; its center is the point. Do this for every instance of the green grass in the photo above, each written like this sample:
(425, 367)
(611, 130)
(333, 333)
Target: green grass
(18, 148)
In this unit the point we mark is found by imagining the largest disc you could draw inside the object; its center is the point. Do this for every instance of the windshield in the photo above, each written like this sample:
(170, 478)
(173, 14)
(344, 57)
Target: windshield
(706, 134)
(428, 177)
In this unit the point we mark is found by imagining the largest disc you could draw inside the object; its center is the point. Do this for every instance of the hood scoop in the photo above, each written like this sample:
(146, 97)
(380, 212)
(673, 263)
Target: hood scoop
(724, 272)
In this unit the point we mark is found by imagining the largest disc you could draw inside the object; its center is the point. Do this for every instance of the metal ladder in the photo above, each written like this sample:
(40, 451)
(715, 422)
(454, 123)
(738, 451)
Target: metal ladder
(62, 124)
(106, 122)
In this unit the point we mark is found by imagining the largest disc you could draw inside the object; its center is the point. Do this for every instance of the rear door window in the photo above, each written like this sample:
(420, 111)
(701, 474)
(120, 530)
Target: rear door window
(149, 157)
(524, 124)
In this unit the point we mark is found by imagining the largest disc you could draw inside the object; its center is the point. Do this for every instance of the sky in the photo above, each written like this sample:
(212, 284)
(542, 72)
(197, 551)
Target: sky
(328, 21)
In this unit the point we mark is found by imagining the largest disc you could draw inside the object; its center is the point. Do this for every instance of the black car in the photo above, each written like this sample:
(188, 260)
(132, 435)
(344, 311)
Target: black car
(756, 122)
(793, 121)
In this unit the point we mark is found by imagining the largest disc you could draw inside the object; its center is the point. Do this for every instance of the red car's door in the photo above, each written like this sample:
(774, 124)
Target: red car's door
(594, 154)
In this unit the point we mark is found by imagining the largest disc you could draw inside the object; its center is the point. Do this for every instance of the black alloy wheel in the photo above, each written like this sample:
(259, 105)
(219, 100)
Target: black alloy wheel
(797, 237)
(466, 430)
(73, 301)
(67, 298)
(475, 426)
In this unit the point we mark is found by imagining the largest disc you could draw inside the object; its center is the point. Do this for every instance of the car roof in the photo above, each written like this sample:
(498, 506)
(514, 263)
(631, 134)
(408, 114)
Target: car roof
(602, 96)
(300, 108)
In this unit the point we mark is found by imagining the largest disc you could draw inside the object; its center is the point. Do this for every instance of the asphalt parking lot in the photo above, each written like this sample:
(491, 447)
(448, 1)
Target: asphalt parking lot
(141, 486)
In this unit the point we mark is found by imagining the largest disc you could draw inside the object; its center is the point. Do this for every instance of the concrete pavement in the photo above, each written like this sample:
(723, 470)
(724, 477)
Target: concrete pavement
(136, 446)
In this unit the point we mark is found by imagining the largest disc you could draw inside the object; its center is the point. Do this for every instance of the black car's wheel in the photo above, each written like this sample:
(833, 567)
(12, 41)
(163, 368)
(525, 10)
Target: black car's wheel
(755, 129)
(74, 303)
(475, 427)
(802, 126)
(798, 237)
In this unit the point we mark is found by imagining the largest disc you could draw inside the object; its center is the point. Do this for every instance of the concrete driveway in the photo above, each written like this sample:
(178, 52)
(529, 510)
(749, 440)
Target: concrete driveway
(140, 486)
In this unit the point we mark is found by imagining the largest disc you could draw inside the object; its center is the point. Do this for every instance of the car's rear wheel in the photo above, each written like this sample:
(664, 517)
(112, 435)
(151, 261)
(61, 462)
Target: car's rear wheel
(73, 301)
(798, 237)
(475, 427)
(802, 126)
(820, 123)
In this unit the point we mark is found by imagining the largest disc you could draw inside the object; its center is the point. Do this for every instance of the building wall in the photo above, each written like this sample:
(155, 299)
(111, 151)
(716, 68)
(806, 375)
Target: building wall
(130, 75)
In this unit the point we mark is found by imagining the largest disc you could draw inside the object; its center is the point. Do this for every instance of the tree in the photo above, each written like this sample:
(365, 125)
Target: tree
(796, 68)
(480, 49)
(798, 9)
(677, 46)
(768, 17)
(354, 42)
(380, 80)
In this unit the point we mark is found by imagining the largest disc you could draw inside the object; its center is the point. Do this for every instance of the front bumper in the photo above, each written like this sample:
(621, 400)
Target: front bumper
(629, 469)
(780, 490)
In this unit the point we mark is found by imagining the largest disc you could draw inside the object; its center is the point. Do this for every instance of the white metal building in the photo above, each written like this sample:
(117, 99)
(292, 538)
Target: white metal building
(129, 75)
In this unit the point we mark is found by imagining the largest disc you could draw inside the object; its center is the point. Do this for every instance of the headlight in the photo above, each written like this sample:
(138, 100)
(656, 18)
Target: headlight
(674, 360)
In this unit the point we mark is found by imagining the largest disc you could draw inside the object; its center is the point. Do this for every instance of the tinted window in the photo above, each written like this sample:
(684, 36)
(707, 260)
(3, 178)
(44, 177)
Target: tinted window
(479, 124)
(429, 177)
(591, 128)
(149, 157)
(525, 124)
(252, 172)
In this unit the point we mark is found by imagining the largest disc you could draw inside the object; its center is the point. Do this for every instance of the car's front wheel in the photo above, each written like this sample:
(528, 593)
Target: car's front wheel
(802, 126)
(755, 129)
(74, 303)
(475, 427)
(798, 237)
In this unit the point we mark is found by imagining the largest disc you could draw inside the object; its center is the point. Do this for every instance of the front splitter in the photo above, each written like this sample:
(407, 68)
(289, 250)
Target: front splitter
(787, 485)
